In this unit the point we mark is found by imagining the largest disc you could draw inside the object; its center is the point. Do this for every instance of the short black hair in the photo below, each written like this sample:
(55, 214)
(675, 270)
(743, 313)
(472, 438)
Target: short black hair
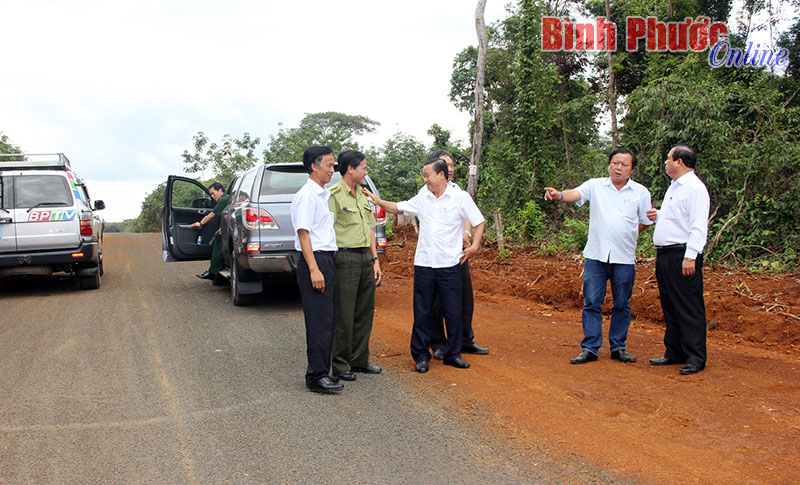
(350, 158)
(439, 165)
(623, 150)
(687, 153)
(440, 154)
(216, 186)
(313, 156)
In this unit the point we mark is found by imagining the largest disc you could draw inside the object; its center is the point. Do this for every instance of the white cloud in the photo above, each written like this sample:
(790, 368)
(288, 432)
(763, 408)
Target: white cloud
(122, 87)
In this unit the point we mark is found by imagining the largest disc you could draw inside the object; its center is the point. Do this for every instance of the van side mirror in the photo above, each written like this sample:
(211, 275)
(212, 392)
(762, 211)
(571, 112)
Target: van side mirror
(99, 205)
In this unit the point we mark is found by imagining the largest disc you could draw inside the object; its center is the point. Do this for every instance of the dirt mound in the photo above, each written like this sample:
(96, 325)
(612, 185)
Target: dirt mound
(762, 309)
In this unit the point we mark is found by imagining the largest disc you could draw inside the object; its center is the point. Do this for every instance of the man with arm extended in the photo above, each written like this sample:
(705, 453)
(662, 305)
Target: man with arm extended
(680, 235)
(222, 199)
(316, 271)
(617, 214)
(358, 270)
(438, 338)
(438, 259)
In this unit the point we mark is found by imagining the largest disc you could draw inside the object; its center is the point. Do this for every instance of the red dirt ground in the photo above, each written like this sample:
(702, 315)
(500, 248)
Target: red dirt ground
(738, 421)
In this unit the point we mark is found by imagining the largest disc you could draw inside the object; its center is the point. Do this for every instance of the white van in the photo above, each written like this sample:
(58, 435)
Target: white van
(47, 221)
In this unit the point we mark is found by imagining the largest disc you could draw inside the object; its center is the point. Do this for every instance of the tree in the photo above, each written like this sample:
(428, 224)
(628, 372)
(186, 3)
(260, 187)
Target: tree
(6, 147)
(332, 129)
(477, 137)
(395, 167)
(225, 159)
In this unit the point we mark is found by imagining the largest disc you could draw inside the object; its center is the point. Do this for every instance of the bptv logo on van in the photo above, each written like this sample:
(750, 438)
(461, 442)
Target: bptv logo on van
(564, 34)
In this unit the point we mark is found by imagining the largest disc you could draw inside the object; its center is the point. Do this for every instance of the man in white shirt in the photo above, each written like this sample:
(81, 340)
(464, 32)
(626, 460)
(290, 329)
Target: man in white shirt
(438, 337)
(442, 212)
(316, 271)
(617, 214)
(680, 235)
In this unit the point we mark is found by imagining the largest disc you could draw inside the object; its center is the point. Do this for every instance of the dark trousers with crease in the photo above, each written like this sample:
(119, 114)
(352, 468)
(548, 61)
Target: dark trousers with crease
(355, 307)
(428, 283)
(319, 312)
(683, 306)
(438, 337)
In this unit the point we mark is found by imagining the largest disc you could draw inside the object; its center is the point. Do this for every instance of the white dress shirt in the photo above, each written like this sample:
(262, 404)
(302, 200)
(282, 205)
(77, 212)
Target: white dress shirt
(441, 225)
(614, 217)
(683, 217)
(310, 211)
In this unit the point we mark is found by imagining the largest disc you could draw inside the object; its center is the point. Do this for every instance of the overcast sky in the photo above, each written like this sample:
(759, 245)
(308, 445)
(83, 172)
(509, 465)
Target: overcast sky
(121, 87)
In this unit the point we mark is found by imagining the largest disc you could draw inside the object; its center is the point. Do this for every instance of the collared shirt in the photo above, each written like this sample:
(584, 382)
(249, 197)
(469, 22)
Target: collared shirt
(353, 219)
(614, 217)
(310, 211)
(683, 217)
(221, 204)
(441, 224)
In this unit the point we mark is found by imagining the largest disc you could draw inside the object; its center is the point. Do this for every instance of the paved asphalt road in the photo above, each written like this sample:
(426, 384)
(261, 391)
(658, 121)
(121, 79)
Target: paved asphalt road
(157, 378)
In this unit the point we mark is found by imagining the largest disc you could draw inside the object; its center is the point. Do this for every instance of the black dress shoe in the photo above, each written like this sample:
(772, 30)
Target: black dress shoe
(422, 366)
(324, 385)
(622, 356)
(474, 348)
(438, 354)
(584, 357)
(458, 363)
(205, 276)
(370, 369)
(346, 375)
(664, 361)
(689, 369)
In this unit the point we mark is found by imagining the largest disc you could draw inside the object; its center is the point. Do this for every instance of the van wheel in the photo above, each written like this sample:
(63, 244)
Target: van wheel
(237, 298)
(91, 282)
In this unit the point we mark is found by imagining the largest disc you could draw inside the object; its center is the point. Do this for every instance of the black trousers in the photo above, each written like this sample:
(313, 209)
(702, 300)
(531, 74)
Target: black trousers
(683, 306)
(438, 337)
(428, 283)
(320, 314)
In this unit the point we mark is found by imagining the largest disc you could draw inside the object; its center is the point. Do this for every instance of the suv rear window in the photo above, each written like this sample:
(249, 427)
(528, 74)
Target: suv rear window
(283, 181)
(46, 190)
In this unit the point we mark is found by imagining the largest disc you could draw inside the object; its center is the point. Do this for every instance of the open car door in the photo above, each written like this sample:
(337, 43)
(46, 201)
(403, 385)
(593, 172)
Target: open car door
(186, 201)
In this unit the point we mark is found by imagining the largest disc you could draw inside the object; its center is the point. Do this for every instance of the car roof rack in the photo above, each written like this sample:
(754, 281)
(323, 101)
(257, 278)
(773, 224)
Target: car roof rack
(35, 161)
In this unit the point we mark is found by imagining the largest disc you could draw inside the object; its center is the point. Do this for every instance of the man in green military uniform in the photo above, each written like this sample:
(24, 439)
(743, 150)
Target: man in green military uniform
(217, 261)
(358, 270)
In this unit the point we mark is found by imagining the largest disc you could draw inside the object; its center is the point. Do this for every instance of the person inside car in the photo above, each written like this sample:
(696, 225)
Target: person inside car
(217, 261)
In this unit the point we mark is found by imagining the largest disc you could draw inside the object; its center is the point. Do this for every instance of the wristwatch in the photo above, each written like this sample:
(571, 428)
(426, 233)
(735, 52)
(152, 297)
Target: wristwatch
(374, 258)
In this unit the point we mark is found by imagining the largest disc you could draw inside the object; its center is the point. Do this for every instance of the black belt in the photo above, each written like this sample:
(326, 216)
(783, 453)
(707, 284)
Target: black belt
(670, 248)
(326, 253)
(355, 250)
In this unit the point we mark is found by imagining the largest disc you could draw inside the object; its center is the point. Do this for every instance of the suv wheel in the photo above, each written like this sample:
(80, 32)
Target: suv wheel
(91, 282)
(237, 298)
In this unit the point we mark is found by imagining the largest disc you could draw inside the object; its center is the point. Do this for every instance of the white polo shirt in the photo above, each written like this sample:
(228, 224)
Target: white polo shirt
(614, 217)
(683, 217)
(310, 211)
(441, 225)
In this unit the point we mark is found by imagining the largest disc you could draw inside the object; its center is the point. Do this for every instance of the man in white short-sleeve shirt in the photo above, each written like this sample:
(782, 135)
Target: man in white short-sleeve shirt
(617, 214)
(316, 272)
(442, 212)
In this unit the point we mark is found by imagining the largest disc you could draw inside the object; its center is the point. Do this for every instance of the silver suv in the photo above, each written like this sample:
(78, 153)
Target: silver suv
(256, 228)
(47, 220)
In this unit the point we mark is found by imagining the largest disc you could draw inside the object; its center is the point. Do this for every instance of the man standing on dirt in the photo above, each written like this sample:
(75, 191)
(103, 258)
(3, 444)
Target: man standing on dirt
(222, 199)
(358, 270)
(316, 270)
(442, 211)
(617, 214)
(680, 235)
(438, 338)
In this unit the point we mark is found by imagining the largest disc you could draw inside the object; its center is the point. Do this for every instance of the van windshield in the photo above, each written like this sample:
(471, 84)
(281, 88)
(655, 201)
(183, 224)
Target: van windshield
(34, 190)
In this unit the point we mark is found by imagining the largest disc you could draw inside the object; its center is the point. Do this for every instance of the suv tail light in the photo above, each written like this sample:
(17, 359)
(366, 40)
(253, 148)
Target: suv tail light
(255, 219)
(380, 214)
(86, 225)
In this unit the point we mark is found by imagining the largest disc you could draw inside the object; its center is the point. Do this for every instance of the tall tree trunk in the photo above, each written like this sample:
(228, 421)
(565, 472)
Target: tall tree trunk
(480, 75)
(564, 122)
(612, 95)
